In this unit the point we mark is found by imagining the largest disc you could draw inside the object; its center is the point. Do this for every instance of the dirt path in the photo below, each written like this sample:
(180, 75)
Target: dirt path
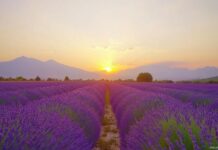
(109, 138)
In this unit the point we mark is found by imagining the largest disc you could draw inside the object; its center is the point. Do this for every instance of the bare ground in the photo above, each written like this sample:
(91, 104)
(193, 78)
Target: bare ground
(109, 137)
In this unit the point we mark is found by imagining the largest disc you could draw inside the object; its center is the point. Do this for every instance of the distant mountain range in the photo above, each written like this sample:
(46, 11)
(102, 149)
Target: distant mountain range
(212, 79)
(168, 71)
(30, 68)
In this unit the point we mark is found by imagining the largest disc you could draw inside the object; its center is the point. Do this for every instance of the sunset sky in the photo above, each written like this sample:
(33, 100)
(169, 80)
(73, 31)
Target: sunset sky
(95, 34)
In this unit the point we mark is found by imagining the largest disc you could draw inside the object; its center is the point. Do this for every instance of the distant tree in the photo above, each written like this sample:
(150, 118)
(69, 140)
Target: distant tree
(2, 79)
(49, 79)
(20, 78)
(186, 81)
(52, 79)
(9, 79)
(128, 80)
(164, 81)
(118, 80)
(212, 81)
(38, 78)
(144, 77)
(66, 78)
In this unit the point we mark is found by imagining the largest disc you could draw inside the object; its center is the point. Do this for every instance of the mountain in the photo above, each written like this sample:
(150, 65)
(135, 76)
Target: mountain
(30, 68)
(206, 80)
(168, 71)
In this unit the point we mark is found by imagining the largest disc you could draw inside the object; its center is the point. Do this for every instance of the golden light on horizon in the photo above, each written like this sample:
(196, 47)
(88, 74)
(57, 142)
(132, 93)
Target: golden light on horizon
(107, 65)
(108, 69)
(142, 32)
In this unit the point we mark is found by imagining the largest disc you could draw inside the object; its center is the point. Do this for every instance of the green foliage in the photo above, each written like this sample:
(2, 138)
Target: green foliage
(187, 139)
(50, 79)
(2, 101)
(164, 81)
(214, 141)
(167, 125)
(144, 77)
(38, 78)
(66, 78)
(201, 102)
(20, 78)
(196, 131)
(171, 128)
(207, 80)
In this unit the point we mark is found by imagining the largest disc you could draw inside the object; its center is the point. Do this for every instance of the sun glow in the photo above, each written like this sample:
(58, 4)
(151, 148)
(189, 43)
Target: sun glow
(108, 69)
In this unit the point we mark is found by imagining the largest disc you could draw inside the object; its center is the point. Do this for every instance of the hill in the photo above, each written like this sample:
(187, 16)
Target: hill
(168, 71)
(30, 68)
(208, 80)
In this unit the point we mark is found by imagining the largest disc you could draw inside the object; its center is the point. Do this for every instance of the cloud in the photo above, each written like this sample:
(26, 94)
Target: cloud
(114, 47)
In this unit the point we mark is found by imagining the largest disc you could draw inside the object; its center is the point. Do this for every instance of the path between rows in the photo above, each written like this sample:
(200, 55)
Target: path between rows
(109, 138)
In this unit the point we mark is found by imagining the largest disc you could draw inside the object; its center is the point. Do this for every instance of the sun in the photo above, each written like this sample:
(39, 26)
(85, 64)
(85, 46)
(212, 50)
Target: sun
(108, 69)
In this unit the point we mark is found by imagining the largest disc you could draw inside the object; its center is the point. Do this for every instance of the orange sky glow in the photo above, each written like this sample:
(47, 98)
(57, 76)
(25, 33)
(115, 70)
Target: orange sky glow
(111, 35)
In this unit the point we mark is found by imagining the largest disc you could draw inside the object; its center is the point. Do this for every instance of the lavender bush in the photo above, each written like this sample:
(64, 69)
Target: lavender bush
(70, 120)
(157, 119)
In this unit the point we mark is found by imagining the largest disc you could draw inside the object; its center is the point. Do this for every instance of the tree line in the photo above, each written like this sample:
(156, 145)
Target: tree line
(37, 78)
(142, 77)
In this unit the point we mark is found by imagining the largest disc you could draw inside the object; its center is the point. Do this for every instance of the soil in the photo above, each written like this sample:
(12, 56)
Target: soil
(109, 137)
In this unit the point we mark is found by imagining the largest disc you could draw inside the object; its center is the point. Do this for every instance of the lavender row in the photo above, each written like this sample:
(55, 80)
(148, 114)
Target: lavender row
(13, 86)
(196, 98)
(203, 88)
(148, 120)
(23, 96)
(67, 121)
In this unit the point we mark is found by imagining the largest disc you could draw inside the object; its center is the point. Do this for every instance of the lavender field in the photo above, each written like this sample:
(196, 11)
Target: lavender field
(71, 116)
(108, 75)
